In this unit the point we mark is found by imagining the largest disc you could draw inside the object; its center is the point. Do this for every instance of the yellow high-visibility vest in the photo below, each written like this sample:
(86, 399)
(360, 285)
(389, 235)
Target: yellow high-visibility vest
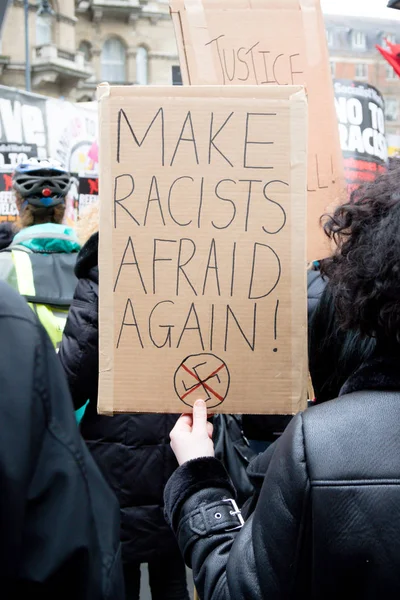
(52, 318)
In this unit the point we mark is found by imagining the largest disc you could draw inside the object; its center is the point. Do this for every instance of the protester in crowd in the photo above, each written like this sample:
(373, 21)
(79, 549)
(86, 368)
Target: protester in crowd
(132, 450)
(59, 521)
(39, 263)
(326, 522)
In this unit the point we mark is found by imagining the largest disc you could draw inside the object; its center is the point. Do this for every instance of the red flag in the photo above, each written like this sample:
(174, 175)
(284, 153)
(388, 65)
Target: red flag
(392, 55)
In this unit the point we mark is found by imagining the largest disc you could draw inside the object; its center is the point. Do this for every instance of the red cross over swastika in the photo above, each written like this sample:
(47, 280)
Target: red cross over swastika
(211, 380)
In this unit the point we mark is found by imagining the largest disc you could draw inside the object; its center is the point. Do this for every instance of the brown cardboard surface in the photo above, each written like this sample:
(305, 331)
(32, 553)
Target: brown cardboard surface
(269, 42)
(202, 248)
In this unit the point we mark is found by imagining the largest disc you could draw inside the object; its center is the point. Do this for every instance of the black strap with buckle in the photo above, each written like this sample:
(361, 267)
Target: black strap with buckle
(216, 517)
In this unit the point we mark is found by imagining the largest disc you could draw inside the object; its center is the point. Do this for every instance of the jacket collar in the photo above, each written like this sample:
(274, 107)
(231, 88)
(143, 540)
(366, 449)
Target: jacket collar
(49, 237)
(381, 374)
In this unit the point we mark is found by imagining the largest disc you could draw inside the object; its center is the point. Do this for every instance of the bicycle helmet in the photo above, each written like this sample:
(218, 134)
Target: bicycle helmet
(41, 182)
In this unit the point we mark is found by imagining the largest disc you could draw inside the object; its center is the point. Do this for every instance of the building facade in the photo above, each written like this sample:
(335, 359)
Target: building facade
(352, 46)
(85, 42)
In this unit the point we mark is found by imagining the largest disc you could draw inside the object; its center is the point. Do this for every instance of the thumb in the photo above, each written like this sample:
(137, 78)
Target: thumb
(199, 417)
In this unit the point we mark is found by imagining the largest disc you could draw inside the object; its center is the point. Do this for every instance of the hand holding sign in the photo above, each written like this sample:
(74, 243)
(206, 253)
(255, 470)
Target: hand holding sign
(192, 435)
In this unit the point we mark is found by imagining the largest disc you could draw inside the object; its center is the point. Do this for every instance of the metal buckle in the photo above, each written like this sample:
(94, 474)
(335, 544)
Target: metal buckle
(236, 512)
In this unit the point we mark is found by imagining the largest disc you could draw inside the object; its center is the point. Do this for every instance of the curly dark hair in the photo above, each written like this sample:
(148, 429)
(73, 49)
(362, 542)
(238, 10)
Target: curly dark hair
(364, 271)
(333, 354)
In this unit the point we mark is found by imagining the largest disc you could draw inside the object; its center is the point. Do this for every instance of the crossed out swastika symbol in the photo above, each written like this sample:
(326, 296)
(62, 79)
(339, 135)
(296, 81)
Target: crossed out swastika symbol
(202, 376)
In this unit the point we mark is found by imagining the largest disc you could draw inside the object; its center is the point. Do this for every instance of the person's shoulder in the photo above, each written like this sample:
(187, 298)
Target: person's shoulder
(7, 233)
(353, 436)
(315, 288)
(6, 262)
(13, 305)
(87, 289)
(87, 262)
(315, 283)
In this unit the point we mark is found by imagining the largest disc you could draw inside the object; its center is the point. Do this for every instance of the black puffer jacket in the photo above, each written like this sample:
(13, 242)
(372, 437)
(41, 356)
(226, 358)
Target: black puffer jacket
(132, 450)
(327, 520)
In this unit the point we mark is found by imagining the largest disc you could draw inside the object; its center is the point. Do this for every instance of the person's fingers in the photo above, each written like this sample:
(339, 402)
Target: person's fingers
(210, 429)
(184, 423)
(199, 416)
(185, 419)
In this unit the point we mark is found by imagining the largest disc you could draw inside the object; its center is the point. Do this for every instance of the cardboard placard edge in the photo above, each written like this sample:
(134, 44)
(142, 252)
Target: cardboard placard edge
(299, 143)
(106, 325)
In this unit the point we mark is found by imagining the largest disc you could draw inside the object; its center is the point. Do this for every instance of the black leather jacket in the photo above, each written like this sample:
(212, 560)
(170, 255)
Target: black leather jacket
(326, 523)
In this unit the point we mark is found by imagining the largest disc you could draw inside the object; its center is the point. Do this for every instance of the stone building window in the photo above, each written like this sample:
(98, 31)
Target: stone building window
(330, 38)
(358, 40)
(44, 30)
(142, 68)
(113, 61)
(86, 49)
(390, 73)
(388, 37)
(391, 109)
(361, 71)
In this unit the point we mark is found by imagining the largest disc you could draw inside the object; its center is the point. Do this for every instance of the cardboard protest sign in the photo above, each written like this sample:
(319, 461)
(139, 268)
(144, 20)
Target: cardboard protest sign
(202, 248)
(270, 42)
(360, 112)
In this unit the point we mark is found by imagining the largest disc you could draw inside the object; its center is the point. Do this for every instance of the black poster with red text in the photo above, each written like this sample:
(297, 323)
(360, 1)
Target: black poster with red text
(8, 207)
(88, 192)
(360, 112)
